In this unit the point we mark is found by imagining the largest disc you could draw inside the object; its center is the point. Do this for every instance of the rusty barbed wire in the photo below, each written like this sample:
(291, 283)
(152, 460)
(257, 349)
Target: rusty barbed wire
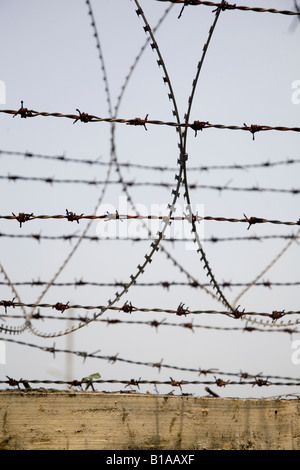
(195, 126)
(171, 96)
(161, 365)
(84, 118)
(199, 126)
(288, 328)
(140, 267)
(137, 121)
(234, 166)
(223, 5)
(151, 39)
(20, 328)
(95, 238)
(133, 183)
(137, 382)
(129, 308)
(72, 216)
(164, 284)
(154, 246)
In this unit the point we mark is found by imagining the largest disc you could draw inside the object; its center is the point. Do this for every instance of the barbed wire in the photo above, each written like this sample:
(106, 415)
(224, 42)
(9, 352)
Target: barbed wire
(164, 284)
(129, 165)
(178, 176)
(271, 328)
(95, 238)
(228, 7)
(90, 382)
(84, 118)
(51, 180)
(140, 268)
(72, 216)
(161, 365)
(195, 126)
(154, 246)
(129, 308)
(181, 177)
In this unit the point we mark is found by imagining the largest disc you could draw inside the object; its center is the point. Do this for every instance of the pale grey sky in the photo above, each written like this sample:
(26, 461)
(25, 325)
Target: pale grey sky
(50, 61)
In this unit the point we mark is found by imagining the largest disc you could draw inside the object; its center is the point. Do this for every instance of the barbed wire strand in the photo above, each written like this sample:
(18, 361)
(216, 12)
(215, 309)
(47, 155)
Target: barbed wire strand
(164, 284)
(159, 365)
(271, 328)
(171, 96)
(90, 382)
(95, 238)
(20, 328)
(196, 125)
(227, 187)
(102, 194)
(129, 308)
(118, 165)
(230, 7)
(140, 269)
(200, 250)
(167, 219)
(129, 165)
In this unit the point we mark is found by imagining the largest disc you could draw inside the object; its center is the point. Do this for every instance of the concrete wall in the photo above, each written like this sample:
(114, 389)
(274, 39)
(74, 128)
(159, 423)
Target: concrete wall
(116, 421)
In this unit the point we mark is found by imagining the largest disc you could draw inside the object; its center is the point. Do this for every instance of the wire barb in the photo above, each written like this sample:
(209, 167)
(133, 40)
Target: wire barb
(24, 112)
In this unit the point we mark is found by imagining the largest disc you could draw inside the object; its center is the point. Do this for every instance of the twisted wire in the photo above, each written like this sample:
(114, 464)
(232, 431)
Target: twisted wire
(95, 238)
(262, 327)
(167, 219)
(234, 166)
(181, 176)
(192, 186)
(163, 284)
(154, 245)
(229, 7)
(129, 308)
(196, 125)
(161, 365)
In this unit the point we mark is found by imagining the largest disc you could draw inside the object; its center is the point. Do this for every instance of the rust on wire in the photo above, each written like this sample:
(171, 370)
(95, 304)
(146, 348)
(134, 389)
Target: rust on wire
(22, 217)
(199, 126)
(181, 310)
(253, 221)
(192, 218)
(7, 303)
(61, 307)
(24, 112)
(129, 308)
(85, 117)
(138, 122)
(276, 315)
(71, 216)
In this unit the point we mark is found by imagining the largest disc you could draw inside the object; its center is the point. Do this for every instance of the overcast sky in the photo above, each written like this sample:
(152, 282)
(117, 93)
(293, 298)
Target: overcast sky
(251, 74)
